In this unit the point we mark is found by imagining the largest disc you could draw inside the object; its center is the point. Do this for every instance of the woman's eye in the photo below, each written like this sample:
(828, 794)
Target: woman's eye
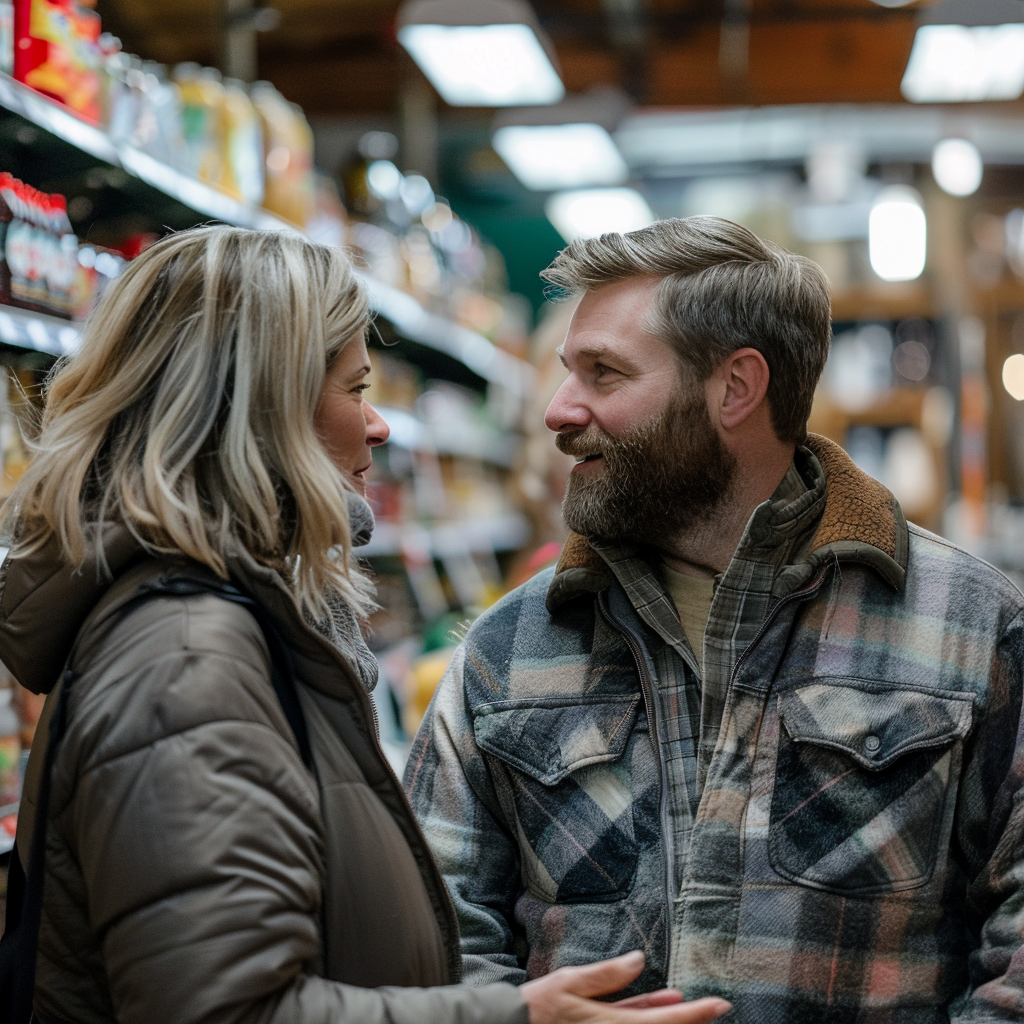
(361, 387)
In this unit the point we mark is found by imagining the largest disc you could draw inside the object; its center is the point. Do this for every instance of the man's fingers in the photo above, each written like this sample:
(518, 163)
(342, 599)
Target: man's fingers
(700, 1011)
(604, 977)
(663, 997)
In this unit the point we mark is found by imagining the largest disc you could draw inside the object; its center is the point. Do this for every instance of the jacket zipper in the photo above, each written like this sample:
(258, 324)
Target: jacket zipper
(635, 646)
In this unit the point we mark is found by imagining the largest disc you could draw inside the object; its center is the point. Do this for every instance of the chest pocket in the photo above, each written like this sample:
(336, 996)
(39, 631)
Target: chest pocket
(573, 795)
(863, 784)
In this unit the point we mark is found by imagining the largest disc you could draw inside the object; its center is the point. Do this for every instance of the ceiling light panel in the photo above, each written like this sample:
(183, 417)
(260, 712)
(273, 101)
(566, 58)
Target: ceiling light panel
(962, 64)
(484, 65)
(560, 156)
(589, 213)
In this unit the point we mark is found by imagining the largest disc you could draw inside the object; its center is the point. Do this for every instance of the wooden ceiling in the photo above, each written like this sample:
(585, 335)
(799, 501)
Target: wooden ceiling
(341, 56)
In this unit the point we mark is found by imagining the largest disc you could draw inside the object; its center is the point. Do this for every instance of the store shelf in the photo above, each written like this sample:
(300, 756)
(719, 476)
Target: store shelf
(37, 331)
(409, 317)
(480, 442)
(499, 533)
(52, 117)
(469, 348)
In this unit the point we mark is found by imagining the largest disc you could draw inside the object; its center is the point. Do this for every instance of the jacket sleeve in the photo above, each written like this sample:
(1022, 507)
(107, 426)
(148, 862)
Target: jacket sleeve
(989, 840)
(200, 851)
(453, 796)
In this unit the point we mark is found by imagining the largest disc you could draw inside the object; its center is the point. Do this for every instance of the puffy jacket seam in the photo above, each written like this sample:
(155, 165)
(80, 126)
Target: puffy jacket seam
(149, 744)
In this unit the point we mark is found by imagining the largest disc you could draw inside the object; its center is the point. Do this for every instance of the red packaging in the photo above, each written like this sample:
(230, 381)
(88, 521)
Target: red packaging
(57, 52)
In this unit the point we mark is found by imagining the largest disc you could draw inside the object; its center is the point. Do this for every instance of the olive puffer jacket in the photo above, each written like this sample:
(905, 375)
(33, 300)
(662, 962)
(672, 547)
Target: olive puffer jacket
(195, 869)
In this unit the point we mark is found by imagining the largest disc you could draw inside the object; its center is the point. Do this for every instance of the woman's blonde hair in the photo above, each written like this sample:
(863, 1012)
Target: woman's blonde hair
(187, 414)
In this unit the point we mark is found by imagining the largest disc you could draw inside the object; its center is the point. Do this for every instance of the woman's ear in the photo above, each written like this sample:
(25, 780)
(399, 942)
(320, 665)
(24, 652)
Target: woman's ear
(745, 375)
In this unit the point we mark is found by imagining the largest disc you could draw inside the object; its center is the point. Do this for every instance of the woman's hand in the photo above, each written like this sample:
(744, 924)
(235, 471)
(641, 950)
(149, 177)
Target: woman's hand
(566, 996)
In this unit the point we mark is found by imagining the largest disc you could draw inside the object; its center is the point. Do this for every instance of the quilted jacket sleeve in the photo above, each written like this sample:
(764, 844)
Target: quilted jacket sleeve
(990, 836)
(195, 829)
(453, 797)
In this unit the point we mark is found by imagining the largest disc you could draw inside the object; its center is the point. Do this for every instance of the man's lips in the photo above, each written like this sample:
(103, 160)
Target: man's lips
(585, 462)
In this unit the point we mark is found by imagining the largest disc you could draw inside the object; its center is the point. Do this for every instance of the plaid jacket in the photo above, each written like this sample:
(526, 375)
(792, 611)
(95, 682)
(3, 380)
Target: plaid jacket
(856, 851)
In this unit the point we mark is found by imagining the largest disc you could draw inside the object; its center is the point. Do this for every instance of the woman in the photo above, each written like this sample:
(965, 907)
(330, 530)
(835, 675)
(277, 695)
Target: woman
(212, 428)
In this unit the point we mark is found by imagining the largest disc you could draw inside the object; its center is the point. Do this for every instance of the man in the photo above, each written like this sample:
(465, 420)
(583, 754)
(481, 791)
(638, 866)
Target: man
(752, 723)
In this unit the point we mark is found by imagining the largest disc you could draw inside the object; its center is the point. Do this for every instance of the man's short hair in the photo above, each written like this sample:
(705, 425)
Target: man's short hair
(723, 289)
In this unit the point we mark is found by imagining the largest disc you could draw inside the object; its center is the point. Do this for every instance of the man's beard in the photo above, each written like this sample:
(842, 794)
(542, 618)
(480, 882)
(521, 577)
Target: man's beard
(660, 478)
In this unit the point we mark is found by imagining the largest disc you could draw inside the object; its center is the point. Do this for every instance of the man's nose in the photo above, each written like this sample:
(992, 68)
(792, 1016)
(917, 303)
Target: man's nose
(567, 410)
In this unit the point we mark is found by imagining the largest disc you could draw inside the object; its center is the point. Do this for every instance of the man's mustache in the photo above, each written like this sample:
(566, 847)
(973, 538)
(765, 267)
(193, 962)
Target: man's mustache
(581, 443)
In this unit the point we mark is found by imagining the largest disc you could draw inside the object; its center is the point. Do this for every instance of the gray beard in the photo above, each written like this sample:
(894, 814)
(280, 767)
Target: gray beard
(661, 479)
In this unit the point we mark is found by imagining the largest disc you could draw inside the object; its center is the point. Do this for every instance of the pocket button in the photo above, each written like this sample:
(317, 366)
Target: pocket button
(871, 744)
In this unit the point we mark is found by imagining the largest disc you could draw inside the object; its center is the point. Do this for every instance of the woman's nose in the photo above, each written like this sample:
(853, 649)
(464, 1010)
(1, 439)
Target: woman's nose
(377, 431)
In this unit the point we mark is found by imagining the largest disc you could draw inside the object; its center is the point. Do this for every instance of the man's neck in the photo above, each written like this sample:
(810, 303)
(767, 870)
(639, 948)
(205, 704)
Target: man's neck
(705, 549)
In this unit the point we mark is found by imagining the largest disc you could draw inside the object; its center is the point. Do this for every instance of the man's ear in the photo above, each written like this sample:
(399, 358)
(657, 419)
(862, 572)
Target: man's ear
(745, 376)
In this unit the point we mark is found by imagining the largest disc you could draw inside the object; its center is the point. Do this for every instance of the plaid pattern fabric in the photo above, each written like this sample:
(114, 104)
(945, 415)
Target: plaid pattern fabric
(853, 852)
(690, 700)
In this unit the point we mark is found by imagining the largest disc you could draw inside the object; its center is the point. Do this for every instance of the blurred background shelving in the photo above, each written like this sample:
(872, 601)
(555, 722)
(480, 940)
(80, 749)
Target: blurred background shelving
(819, 124)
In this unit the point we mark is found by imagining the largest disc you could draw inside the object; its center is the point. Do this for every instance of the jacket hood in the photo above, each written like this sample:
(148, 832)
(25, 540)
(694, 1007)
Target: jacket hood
(861, 522)
(44, 602)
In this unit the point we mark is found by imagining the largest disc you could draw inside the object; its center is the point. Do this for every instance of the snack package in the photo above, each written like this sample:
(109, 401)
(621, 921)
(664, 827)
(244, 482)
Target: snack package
(241, 145)
(202, 100)
(57, 51)
(288, 156)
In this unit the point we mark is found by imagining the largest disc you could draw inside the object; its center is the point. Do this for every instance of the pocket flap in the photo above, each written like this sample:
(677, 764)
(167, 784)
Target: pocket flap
(874, 724)
(548, 737)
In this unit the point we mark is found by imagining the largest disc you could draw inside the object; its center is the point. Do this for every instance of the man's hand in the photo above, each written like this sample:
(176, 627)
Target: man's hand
(566, 996)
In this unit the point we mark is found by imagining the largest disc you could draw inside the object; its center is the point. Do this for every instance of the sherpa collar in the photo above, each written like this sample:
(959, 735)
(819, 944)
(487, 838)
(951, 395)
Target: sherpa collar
(861, 522)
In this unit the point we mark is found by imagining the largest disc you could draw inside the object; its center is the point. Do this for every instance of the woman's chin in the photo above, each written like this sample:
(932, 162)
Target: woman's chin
(358, 481)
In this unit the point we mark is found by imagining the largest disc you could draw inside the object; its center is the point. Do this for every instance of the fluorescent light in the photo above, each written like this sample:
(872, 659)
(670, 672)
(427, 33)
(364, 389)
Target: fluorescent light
(484, 65)
(960, 64)
(589, 213)
(554, 156)
(957, 167)
(1013, 377)
(897, 235)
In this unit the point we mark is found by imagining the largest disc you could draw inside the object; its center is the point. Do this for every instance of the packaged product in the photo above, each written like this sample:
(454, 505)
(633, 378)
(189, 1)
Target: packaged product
(38, 252)
(241, 142)
(57, 51)
(10, 748)
(288, 156)
(96, 268)
(6, 37)
(153, 119)
(202, 100)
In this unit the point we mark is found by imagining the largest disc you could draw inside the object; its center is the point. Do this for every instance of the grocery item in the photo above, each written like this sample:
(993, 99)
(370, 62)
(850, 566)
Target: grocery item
(288, 155)
(6, 37)
(39, 251)
(202, 100)
(145, 109)
(242, 159)
(57, 51)
(10, 748)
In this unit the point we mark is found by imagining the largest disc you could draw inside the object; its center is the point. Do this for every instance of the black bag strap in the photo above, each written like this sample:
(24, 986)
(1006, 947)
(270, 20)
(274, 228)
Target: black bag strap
(20, 941)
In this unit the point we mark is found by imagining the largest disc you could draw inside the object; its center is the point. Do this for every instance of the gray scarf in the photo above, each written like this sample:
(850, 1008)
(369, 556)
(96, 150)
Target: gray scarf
(341, 627)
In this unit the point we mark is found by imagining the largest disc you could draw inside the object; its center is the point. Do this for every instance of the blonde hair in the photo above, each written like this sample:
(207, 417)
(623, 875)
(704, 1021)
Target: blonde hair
(187, 414)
